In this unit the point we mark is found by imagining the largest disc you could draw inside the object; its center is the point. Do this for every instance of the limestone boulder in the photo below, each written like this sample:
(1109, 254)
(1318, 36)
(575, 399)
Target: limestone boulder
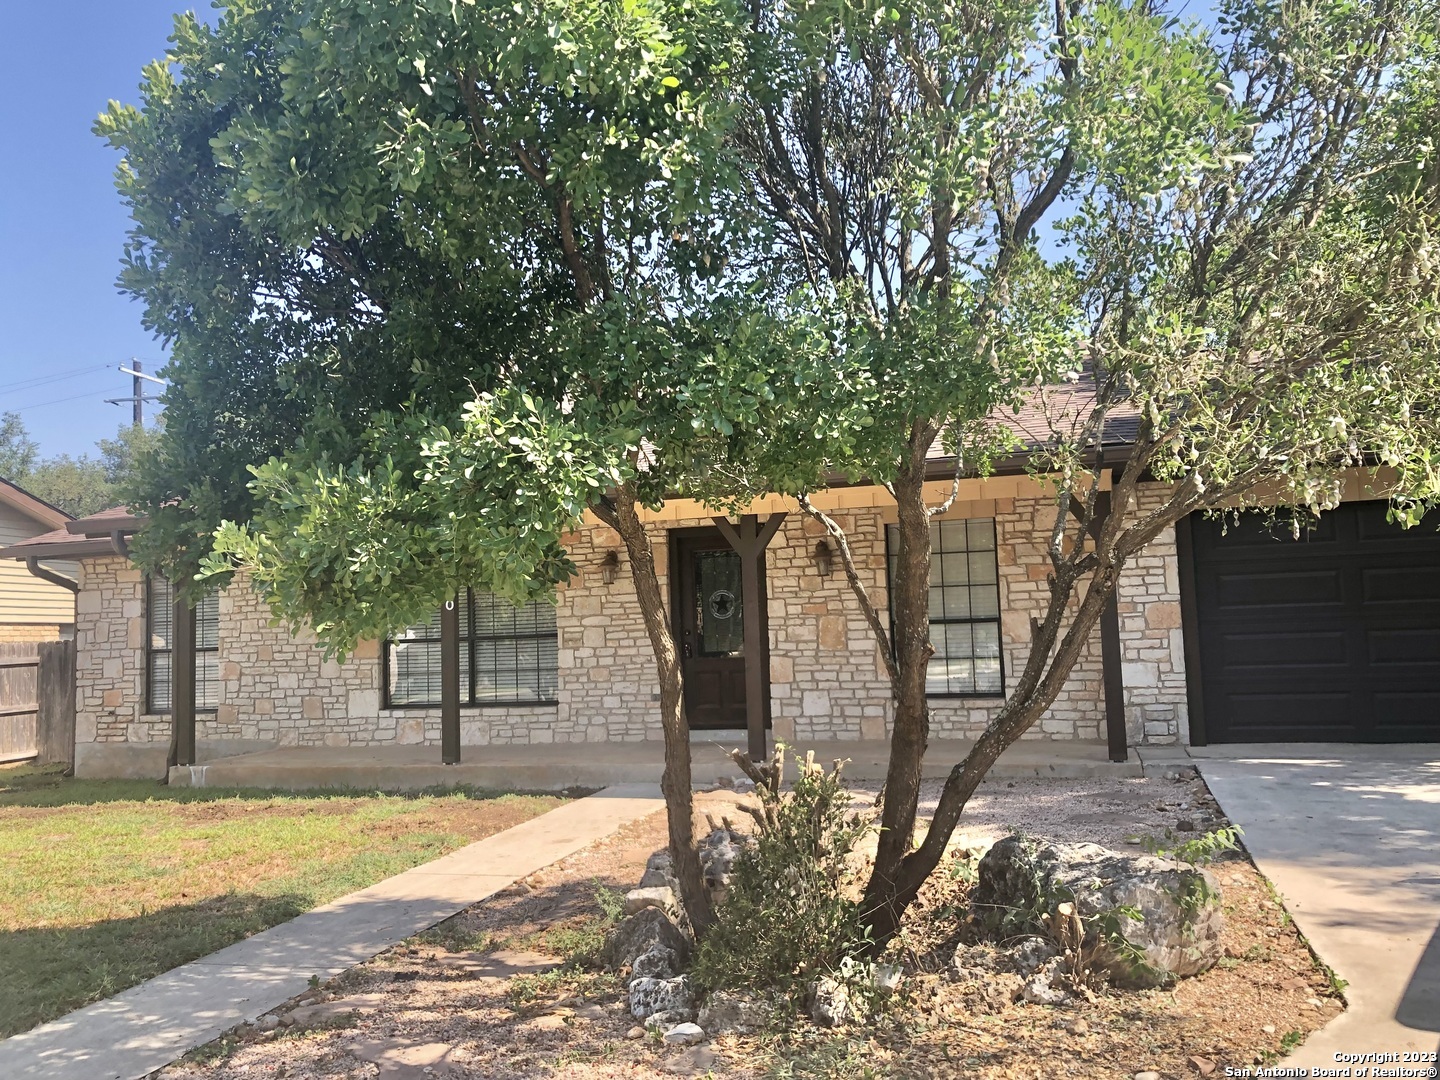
(673, 997)
(718, 854)
(656, 962)
(660, 896)
(1148, 920)
(725, 1012)
(830, 1004)
(687, 1034)
(1031, 953)
(662, 1021)
(658, 872)
(640, 932)
(1044, 985)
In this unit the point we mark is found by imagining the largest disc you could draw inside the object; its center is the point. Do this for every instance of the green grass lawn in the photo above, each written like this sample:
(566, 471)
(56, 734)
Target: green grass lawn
(106, 883)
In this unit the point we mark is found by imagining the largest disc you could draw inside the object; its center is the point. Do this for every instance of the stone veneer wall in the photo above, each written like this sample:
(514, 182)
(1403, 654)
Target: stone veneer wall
(827, 681)
(1152, 644)
(274, 688)
(110, 654)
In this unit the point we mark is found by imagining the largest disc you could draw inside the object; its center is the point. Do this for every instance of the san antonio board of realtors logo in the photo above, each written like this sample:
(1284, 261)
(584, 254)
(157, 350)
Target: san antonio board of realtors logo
(722, 603)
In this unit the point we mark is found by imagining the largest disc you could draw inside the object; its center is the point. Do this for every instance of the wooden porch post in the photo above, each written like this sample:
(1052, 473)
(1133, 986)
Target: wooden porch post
(749, 541)
(182, 682)
(1114, 680)
(450, 682)
(1110, 655)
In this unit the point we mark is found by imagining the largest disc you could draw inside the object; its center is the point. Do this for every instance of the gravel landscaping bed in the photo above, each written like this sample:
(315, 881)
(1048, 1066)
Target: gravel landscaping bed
(485, 996)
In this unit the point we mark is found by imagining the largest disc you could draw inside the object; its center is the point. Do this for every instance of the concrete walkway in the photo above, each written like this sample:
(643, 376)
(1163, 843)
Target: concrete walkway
(1350, 835)
(150, 1025)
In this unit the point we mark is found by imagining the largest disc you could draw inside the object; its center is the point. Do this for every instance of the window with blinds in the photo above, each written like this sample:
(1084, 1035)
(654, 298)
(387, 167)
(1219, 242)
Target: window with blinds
(508, 655)
(160, 645)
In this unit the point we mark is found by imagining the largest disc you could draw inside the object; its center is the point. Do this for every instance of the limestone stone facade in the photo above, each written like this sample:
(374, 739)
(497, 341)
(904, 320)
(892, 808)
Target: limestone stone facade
(826, 678)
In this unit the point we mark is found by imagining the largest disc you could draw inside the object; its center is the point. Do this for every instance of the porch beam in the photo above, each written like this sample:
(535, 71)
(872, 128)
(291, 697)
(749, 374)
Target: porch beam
(182, 682)
(450, 682)
(749, 539)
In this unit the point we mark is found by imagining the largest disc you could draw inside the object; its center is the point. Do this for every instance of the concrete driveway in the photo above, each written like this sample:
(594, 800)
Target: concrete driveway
(1350, 835)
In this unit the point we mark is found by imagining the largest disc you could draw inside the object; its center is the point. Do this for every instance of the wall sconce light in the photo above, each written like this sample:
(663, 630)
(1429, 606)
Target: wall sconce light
(609, 567)
(823, 558)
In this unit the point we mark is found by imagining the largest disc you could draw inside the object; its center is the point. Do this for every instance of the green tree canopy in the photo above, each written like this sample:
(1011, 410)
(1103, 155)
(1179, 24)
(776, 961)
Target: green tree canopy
(1216, 242)
(18, 452)
(436, 277)
(439, 277)
(78, 485)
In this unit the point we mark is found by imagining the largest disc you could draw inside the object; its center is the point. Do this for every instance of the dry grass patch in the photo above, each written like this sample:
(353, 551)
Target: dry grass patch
(104, 884)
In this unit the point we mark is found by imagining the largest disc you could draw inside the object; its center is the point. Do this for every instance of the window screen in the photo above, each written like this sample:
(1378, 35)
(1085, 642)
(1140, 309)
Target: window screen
(160, 643)
(507, 654)
(964, 607)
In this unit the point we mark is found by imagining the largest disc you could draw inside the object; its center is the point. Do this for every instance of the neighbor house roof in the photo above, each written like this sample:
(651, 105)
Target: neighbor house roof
(32, 506)
(103, 533)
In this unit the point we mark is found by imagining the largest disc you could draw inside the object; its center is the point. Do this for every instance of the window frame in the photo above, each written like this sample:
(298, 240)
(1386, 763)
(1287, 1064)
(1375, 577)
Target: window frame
(995, 620)
(151, 652)
(468, 641)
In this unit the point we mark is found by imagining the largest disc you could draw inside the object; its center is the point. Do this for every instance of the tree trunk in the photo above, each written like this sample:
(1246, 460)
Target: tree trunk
(1040, 684)
(675, 783)
(910, 607)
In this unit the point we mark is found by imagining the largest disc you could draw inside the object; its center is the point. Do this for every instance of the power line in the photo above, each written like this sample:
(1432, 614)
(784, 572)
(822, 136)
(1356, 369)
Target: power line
(32, 383)
(57, 401)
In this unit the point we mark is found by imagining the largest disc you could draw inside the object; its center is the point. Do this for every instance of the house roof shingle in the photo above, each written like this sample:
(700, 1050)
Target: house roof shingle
(95, 534)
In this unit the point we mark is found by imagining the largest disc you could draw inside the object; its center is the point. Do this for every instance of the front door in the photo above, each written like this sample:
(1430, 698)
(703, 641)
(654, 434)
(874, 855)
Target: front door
(710, 627)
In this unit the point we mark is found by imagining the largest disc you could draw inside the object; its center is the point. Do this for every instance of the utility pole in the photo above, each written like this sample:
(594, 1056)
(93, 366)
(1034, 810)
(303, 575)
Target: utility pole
(137, 373)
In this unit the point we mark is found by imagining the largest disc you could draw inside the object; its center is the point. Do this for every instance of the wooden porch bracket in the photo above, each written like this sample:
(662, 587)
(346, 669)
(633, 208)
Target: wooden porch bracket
(450, 682)
(182, 682)
(749, 539)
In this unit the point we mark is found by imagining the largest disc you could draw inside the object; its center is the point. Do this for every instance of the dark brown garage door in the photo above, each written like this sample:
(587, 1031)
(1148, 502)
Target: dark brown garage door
(1334, 637)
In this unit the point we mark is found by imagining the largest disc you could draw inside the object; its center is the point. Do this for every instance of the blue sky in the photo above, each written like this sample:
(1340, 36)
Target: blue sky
(61, 224)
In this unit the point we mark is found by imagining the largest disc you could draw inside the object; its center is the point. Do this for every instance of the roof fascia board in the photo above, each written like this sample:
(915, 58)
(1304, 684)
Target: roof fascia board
(86, 548)
(32, 506)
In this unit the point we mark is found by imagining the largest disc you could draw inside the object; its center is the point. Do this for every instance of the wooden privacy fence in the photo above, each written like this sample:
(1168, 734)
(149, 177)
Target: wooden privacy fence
(37, 701)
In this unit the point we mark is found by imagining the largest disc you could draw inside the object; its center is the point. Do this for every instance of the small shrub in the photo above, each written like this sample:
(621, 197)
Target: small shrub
(789, 917)
(612, 903)
(579, 941)
(1200, 851)
(544, 989)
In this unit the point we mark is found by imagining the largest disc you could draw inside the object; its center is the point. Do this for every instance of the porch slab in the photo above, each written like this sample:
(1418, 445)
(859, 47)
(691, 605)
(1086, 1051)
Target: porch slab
(562, 766)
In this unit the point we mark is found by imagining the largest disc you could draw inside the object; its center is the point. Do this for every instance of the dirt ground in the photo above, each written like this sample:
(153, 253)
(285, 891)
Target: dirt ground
(480, 997)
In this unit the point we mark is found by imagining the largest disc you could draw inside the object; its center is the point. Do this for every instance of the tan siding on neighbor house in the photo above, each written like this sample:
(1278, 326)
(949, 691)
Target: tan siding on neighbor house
(24, 598)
